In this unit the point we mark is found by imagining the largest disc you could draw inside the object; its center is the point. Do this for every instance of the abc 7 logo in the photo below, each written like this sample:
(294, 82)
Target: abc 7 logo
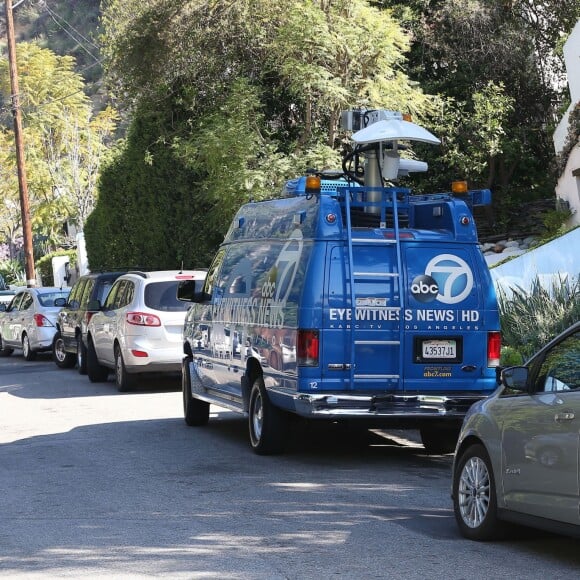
(424, 288)
(268, 289)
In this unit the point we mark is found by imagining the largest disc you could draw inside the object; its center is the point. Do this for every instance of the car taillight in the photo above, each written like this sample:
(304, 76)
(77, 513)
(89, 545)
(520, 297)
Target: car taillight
(308, 346)
(493, 348)
(88, 316)
(41, 320)
(142, 319)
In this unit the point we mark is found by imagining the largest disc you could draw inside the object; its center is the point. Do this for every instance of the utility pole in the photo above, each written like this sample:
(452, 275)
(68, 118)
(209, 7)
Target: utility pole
(20, 159)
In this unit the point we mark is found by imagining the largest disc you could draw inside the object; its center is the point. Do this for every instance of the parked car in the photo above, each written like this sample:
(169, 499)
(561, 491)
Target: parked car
(69, 346)
(138, 328)
(28, 321)
(517, 455)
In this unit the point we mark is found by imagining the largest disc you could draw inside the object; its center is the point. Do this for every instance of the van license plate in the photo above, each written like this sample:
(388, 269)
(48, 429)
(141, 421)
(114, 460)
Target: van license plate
(439, 349)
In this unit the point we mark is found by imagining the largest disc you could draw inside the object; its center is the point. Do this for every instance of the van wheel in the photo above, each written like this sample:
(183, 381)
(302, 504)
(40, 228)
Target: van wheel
(3, 350)
(474, 495)
(81, 356)
(195, 412)
(439, 440)
(63, 359)
(95, 371)
(268, 424)
(28, 353)
(124, 381)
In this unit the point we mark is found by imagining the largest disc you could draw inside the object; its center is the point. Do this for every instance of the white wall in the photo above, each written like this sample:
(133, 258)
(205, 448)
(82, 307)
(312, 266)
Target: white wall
(559, 258)
(568, 187)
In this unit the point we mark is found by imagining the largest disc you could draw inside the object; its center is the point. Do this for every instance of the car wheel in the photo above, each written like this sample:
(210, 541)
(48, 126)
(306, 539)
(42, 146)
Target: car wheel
(81, 356)
(28, 353)
(268, 425)
(195, 412)
(3, 350)
(62, 358)
(439, 440)
(96, 372)
(474, 495)
(123, 380)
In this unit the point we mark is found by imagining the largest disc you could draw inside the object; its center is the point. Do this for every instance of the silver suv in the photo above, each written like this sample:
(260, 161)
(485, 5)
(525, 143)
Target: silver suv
(517, 454)
(138, 328)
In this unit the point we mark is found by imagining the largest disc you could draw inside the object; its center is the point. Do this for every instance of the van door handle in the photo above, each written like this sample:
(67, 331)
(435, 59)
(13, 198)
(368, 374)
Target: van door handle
(561, 417)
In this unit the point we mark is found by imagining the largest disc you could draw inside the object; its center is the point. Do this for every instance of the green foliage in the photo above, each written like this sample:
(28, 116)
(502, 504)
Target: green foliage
(530, 319)
(554, 222)
(13, 273)
(44, 265)
(510, 357)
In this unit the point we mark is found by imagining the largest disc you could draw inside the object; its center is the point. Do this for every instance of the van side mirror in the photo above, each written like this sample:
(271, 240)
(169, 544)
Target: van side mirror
(191, 291)
(515, 378)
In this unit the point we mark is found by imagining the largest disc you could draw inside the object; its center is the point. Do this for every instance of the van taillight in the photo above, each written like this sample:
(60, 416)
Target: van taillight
(493, 349)
(308, 348)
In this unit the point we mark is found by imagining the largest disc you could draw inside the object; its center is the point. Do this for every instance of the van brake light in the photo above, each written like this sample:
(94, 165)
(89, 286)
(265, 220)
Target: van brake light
(493, 349)
(308, 348)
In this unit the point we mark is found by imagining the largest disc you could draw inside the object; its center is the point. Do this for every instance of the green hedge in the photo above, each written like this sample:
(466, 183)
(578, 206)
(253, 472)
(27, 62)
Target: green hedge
(44, 265)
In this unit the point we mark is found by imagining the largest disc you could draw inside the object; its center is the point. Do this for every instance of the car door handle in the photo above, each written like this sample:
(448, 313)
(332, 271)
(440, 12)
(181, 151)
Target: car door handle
(561, 417)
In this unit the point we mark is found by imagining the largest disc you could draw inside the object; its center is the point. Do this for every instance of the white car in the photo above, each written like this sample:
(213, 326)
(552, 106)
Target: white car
(138, 328)
(28, 321)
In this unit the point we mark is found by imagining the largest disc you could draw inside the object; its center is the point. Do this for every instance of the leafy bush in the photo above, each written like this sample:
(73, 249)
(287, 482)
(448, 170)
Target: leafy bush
(531, 318)
(13, 273)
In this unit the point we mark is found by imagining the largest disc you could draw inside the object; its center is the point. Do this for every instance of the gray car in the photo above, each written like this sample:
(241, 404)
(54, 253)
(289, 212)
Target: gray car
(517, 454)
(28, 322)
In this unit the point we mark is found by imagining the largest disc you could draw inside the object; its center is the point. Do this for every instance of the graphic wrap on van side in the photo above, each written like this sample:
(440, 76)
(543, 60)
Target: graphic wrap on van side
(253, 313)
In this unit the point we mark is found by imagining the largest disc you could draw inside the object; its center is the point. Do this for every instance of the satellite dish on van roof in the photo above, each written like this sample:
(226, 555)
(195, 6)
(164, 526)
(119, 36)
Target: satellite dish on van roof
(394, 130)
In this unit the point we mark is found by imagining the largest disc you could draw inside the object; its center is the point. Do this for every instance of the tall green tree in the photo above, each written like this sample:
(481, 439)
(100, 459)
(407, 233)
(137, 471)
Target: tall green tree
(64, 143)
(258, 85)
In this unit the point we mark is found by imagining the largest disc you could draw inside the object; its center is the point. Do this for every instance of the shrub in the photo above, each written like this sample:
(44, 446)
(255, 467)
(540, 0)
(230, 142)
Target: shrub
(531, 318)
(13, 273)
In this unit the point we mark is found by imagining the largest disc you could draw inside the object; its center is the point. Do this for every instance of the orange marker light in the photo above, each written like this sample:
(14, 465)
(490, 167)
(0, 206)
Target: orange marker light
(459, 187)
(312, 184)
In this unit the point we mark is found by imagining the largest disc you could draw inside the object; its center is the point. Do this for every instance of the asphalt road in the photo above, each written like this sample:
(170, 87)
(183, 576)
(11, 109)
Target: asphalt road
(94, 483)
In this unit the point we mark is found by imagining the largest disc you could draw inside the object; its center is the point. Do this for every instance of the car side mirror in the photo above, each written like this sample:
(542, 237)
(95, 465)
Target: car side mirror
(191, 291)
(515, 378)
(3, 307)
(60, 302)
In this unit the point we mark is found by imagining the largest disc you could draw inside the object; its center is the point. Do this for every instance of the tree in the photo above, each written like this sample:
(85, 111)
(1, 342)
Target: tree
(247, 95)
(65, 145)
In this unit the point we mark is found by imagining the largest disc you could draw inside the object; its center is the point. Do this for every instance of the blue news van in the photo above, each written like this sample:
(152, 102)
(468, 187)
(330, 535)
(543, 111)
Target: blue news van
(345, 300)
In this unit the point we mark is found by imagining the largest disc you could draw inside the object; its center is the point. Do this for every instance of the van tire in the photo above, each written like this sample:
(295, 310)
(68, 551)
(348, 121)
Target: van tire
(438, 439)
(195, 412)
(62, 358)
(268, 425)
(95, 371)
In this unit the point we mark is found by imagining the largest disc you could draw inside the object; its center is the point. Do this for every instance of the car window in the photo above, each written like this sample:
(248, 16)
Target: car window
(163, 296)
(119, 299)
(76, 293)
(14, 303)
(27, 301)
(560, 370)
(103, 289)
(48, 298)
(109, 302)
(87, 294)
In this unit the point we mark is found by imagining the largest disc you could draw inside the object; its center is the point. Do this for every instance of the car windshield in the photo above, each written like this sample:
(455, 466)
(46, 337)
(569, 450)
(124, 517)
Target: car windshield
(48, 298)
(163, 296)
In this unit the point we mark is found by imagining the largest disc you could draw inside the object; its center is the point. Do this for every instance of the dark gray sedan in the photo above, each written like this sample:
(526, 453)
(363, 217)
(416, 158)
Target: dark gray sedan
(517, 455)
